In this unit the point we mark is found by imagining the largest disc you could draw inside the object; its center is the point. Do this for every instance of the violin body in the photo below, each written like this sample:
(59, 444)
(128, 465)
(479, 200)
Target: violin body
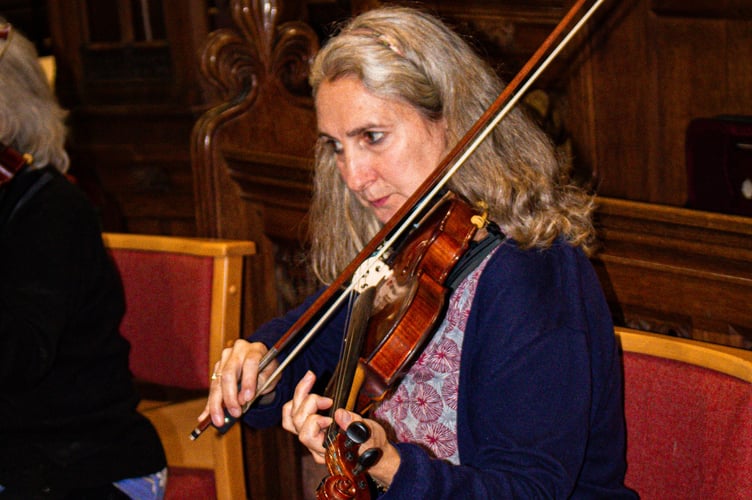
(406, 308)
(410, 304)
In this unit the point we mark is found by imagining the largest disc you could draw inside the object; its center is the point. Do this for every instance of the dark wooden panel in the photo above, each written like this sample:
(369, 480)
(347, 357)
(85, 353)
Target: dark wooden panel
(643, 76)
(141, 163)
(677, 271)
(724, 9)
(133, 91)
(623, 96)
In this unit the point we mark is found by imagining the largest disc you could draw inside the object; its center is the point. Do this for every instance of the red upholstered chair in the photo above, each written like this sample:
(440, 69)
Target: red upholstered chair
(689, 417)
(183, 299)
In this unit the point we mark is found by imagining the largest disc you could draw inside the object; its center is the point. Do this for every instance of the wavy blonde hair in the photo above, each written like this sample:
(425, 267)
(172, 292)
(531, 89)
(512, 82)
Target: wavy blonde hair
(31, 120)
(408, 55)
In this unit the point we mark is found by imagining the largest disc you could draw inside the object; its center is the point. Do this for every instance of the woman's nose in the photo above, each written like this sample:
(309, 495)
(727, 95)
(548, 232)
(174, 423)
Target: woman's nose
(356, 171)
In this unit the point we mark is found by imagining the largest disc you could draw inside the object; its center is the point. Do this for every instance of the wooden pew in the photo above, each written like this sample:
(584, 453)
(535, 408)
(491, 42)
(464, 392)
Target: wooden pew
(676, 271)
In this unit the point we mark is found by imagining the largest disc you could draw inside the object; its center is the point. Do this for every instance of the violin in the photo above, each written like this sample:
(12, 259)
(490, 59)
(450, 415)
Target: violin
(409, 303)
(393, 321)
(11, 163)
(419, 246)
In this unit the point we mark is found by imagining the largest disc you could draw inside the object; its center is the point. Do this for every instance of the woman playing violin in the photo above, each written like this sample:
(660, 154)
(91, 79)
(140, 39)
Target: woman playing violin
(518, 394)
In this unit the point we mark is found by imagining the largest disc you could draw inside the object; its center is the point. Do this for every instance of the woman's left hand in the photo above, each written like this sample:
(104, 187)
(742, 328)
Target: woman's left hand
(301, 417)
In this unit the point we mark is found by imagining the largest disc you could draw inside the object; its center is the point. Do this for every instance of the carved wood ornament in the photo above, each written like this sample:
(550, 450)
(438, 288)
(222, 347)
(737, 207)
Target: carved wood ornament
(252, 151)
(252, 155)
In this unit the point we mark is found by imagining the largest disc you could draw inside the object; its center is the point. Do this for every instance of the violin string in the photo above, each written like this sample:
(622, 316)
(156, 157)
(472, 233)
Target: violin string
(346, 293)
(355, 338)
(345, 354)
(273, 352)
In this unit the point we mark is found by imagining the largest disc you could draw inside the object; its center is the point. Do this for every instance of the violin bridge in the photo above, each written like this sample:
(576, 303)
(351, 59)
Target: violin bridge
(370, 273)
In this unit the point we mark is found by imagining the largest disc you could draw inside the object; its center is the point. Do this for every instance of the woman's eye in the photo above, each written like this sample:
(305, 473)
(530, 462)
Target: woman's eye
(373, 137)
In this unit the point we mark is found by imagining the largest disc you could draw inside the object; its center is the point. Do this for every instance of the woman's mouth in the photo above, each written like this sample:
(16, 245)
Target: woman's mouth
(379, 202)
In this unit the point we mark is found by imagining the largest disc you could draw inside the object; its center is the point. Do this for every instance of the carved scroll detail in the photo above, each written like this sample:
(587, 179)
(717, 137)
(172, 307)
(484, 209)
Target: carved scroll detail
(243, 64)
(235, 61)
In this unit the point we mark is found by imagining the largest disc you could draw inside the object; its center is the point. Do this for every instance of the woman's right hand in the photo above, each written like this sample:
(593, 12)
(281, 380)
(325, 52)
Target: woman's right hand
(302, 417)
(236, 379)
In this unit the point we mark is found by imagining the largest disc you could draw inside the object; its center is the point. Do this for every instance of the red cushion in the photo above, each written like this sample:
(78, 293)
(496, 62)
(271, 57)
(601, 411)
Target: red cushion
(167, 319)
(185, 483)
(689, 430)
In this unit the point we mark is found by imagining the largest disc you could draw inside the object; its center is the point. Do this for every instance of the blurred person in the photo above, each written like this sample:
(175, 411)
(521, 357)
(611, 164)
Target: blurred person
(69, 427)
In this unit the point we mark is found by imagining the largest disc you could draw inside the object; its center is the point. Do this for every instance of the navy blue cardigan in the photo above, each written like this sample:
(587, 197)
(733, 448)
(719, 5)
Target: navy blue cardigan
(540, 394)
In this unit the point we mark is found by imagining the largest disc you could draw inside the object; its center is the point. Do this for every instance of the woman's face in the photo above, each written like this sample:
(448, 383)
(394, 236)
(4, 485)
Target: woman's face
(384, 148)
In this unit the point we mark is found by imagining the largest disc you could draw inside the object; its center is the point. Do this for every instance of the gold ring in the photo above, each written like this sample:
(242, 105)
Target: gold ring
(216, 376)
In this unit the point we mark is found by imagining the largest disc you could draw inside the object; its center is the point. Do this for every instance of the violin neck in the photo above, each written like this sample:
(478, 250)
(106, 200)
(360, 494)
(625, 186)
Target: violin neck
(345, 384)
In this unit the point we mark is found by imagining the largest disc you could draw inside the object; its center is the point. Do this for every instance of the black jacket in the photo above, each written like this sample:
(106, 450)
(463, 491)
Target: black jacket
(67, 400)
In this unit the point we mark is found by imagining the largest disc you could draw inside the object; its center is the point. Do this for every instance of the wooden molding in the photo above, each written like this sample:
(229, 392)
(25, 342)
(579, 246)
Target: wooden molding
(678, 271)
(714, 9)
